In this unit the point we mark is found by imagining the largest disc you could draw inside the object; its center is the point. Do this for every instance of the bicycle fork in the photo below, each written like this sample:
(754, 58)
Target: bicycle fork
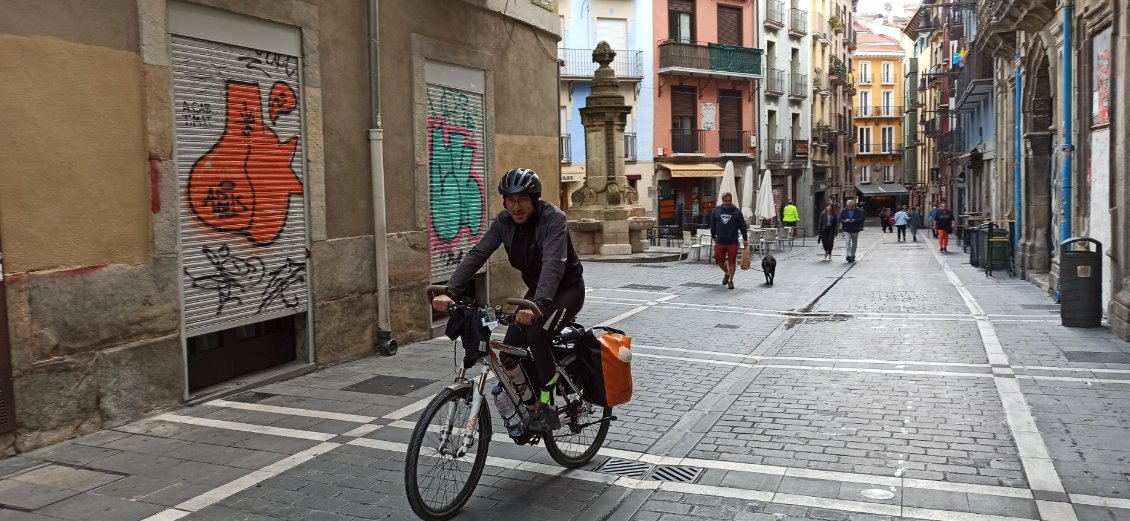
(468, 436)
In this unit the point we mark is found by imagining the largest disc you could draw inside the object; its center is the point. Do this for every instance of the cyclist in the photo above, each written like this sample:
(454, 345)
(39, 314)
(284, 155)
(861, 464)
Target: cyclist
(536, 237)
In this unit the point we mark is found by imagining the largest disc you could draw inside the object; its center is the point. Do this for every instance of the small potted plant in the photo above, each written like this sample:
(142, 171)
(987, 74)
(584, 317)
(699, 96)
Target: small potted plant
(836, 23)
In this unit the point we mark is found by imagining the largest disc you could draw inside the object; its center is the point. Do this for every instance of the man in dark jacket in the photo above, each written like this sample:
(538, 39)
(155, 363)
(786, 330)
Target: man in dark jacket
(851, 220)
(535, 235)
(944, 223)
(725, 223)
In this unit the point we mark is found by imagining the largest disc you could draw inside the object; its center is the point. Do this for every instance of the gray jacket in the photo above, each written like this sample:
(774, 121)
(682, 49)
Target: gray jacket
(541, 249)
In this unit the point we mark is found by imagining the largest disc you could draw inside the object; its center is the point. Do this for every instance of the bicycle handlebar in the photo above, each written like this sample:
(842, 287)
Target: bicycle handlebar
(435, 289)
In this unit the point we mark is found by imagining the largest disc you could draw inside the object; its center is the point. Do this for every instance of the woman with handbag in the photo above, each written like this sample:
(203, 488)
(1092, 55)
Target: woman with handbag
(826, 229)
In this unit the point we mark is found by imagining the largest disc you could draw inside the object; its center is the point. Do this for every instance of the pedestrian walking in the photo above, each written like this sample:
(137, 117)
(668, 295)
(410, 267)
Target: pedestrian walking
(901, 220)
(932, 218)
(851, 218)
(885, 219)
(826, 229)
(726, 222)
(914, 220)
(943, 222)
(790, 216)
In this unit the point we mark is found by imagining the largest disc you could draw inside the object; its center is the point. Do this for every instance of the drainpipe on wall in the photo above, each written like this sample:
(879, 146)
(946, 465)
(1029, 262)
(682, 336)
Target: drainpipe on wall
(385, 344)
(1017, 168)
(1066, 148)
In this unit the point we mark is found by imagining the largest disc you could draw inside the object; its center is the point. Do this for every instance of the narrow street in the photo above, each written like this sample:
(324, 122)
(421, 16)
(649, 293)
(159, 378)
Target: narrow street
(907, 385)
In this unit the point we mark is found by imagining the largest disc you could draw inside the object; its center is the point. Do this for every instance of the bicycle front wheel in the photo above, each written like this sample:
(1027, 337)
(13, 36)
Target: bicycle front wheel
(582, 430)
(440, 471)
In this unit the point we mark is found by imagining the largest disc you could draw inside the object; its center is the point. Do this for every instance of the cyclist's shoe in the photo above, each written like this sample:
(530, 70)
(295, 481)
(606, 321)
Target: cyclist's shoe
(544, 420)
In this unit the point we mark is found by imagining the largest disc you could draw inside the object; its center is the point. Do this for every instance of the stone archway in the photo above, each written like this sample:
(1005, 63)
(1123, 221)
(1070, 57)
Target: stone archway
(1036, 242)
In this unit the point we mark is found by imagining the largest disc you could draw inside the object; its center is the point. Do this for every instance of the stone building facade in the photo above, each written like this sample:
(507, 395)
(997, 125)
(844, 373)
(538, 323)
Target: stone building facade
(188, 187)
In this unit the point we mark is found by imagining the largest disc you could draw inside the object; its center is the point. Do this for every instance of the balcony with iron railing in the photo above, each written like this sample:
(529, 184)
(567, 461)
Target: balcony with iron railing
(956, 23)
(775, 14)
(931, 127)
(566, 149)
(853, 40)
(688, 140)
(820, 31)
(711, 60)
(820, 83)
(974, 81)
(879, 111)
(776, 83)
(886, 148)
(951, 143)
(798, 25)
(734, 141)
(798, 86)
(777, 151)
(837, 74)
(841, 124)
(579, 65)
(630, 146)
(822, 134)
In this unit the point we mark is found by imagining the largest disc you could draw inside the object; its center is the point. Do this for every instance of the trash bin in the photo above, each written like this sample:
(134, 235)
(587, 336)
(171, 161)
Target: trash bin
(1080, 284)
(974, 239)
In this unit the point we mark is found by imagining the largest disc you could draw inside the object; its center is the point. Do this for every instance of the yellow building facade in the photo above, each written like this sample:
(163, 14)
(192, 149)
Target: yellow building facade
(877, 65)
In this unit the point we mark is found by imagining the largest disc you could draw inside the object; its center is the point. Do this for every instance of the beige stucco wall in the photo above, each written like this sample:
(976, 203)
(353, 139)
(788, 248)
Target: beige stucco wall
(74, 172)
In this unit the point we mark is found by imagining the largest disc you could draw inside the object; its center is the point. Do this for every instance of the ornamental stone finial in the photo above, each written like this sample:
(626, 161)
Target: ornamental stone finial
(603, 54)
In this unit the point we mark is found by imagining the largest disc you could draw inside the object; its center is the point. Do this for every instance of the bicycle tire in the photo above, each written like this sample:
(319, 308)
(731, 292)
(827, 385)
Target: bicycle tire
(416, 444)
(565, 434)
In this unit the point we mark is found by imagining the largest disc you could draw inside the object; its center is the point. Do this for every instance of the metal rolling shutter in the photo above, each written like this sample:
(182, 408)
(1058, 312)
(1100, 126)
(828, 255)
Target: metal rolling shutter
(456, 176)
(684, 102)
(730, 110)
(729, 25)
(240, 168)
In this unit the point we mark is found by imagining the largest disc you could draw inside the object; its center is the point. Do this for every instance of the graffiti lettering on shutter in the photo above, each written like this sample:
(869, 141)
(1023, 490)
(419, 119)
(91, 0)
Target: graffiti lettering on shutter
(458, 200)
(243, 184)
(231, 275)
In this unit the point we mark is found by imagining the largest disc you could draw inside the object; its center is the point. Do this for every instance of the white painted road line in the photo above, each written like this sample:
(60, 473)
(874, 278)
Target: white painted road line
(1033, 452)
(292, 411)
(240, 484)
(246, 427)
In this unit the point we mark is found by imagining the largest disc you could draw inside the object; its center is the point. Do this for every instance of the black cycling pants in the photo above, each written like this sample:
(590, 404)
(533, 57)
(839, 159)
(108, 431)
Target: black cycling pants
(539, 336)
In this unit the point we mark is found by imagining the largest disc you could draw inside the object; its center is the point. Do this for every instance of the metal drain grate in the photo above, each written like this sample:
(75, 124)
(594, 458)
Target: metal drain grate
(726, 326)
(701, 285)
(676, 473)
(251, 397)
(624, 467)
(645, 287)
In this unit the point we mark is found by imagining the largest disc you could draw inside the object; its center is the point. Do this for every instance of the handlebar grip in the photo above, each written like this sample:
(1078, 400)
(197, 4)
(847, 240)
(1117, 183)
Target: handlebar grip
(525, 304)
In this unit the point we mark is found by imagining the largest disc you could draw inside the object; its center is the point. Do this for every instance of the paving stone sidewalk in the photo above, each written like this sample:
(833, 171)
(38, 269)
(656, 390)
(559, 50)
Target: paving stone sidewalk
(842, 392)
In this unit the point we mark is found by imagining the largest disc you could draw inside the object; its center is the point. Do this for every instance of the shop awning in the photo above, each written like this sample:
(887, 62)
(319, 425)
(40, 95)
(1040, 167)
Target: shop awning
(570, 174)
(693, 169)
(869, 190)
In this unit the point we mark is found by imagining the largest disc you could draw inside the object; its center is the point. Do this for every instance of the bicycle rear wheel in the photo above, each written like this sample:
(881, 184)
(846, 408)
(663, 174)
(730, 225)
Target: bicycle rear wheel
(438, 481)
(581, 434)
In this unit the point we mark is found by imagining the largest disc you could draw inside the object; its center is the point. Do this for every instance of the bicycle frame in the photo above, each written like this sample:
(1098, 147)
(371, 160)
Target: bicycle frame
(478, 386)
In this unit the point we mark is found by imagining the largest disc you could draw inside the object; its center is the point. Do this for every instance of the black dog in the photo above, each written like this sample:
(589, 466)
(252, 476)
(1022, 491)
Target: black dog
(769, 266)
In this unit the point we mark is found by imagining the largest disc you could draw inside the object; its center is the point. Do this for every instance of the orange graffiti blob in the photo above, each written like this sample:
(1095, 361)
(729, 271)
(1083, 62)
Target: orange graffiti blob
(244, 183)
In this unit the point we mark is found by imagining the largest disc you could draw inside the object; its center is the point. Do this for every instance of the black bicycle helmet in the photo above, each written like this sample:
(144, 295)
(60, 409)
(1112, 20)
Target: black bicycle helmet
(520, 181)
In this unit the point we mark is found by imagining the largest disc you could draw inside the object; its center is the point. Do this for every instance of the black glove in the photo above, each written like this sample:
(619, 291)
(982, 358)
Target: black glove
(544, 304)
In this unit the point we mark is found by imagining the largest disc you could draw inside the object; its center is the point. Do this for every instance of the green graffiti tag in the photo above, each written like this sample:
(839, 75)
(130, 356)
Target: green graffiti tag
(454, 108)
(456, 190)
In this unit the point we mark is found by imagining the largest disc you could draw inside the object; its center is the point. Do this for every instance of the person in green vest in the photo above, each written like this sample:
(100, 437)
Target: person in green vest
(790, 216)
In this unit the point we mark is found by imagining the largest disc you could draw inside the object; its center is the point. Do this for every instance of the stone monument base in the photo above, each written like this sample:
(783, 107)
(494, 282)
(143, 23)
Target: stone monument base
(609, 230)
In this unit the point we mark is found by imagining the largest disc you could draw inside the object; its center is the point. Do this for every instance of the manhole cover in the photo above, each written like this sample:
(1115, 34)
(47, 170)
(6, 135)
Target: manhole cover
(701, 285)
(726, 326)
(251, 397)
(624, 467)
(878, 493)
(645, 287)
(676, 473)
(390, 385)
(649, 266)
(1102, 357)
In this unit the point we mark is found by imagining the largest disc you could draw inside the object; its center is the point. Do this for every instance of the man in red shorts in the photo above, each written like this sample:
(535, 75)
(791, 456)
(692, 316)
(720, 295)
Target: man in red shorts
(725, 223)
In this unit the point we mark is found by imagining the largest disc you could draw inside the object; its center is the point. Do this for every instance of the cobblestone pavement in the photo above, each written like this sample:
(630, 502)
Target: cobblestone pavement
(907, 385)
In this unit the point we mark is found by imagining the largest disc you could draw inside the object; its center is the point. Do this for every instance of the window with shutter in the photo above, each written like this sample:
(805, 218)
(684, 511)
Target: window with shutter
(680, 20)
(729, 25)
(683, 101)
(730, 110)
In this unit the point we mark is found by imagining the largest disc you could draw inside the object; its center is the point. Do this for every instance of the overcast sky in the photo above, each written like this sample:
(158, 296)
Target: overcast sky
(876, 6)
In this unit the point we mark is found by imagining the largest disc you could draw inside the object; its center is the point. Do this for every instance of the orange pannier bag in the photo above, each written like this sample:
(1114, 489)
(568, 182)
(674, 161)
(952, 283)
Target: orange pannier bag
(606, 363)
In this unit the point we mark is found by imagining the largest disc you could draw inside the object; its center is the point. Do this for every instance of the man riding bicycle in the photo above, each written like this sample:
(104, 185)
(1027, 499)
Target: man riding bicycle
(536, 237)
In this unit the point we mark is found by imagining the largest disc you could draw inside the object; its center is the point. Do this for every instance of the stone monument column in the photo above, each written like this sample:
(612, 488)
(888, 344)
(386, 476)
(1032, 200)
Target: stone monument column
(606, 218)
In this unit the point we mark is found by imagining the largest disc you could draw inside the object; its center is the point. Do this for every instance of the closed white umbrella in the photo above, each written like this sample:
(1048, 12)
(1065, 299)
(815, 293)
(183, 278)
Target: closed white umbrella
(747, 194)
(766, 208)
(729, 184)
